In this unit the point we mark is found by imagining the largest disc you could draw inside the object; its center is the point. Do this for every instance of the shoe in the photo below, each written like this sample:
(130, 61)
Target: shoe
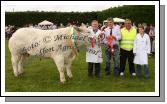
(108, 73)
(90, 75)
(148, 77)
(97, 76)
(116, 71)
(121, 74)
(133, 74)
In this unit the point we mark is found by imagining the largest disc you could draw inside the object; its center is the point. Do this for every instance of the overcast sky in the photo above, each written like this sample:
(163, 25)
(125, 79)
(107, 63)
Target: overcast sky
(60, 8)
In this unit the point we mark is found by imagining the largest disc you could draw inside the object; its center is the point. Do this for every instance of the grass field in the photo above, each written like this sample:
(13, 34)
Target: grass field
(42, 76)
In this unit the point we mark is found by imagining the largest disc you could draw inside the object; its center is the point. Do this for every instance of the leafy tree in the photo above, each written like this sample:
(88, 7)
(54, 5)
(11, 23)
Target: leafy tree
(137, 13)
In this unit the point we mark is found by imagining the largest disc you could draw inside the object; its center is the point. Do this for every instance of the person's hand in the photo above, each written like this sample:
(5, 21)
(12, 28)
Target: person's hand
(101, 35)
(91, 36)
(114, 37)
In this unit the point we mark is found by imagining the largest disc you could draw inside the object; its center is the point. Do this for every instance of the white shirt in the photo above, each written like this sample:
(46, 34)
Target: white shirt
(115, 32)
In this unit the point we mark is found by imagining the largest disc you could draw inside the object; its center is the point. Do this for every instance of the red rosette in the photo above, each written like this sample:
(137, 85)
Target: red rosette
(110, 40)
(92, 42)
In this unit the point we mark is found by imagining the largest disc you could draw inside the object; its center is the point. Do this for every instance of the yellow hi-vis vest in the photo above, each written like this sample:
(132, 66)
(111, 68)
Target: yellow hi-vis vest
(128, 37)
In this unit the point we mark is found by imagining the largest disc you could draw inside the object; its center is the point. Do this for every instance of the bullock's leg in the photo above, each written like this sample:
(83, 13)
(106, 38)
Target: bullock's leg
(20, 65)
(68, 69)
(15, 59)
(59, 61)
(68, 65)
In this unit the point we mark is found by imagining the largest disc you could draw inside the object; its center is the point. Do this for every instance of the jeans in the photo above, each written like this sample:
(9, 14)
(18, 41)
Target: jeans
(146, 71)
(115, 59)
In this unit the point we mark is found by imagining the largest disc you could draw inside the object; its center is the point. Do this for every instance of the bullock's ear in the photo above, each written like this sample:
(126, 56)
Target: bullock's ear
(83, 26)
(78, 28)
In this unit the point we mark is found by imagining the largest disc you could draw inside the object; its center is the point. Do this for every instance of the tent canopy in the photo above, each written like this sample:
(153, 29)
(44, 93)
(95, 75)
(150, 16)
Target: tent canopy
(118, 20)
(45, 22)
(115, 20)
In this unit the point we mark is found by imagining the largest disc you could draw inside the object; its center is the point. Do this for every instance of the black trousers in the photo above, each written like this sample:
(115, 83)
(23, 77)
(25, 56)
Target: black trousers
(90, 69)
(124, 55)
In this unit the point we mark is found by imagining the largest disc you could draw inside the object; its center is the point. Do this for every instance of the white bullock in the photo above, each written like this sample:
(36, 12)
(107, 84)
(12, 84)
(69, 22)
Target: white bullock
(60, 45)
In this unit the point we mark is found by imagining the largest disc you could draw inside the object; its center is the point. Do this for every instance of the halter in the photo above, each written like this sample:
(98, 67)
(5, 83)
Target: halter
(73, 41)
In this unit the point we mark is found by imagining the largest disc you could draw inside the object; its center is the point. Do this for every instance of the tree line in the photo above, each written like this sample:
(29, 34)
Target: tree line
(137, 13)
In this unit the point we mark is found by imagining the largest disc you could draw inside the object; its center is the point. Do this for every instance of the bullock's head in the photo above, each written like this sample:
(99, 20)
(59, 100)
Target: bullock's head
(82, 30)
(83, 34)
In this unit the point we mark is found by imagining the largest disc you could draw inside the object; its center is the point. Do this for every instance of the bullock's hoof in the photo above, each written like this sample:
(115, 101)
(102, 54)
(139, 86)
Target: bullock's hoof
(16, 74)
(69, 78)
(62, 83)
(20, 73)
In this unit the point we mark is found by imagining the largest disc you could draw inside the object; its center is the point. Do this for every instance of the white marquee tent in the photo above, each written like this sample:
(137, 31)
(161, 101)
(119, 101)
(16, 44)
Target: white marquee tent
(120, 20)
(45, 22)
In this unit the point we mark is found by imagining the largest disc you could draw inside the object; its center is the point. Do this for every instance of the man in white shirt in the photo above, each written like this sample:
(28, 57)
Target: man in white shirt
(113, 31)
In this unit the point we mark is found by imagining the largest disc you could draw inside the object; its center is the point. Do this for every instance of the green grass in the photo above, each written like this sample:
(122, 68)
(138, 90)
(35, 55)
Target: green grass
(42, 76)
